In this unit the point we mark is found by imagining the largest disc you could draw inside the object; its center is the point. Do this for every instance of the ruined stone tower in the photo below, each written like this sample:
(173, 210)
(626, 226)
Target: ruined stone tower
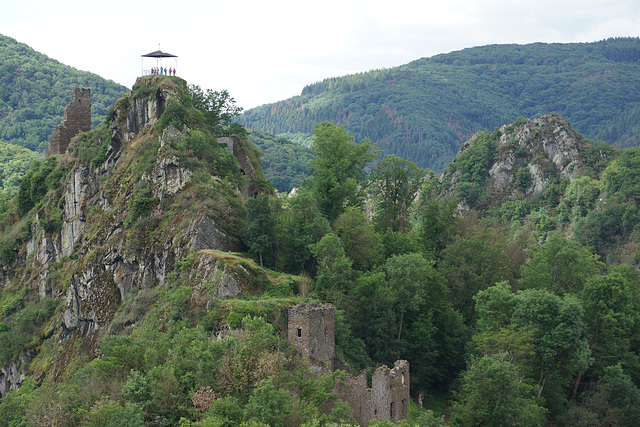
(384, 396)
(311, 330)
(77, 118)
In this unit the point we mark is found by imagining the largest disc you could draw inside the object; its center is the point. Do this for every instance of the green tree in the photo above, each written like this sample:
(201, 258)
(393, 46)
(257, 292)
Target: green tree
(408, 276)
(623, 394)
(438, 223)
(554, 325)
(334, 268)
(269, 405)
(219, 109)
(300, 224)
(494, 393)
(362, 244)
(339, 169)
(560, 266)
(395, 183)
(610, 305)
(581, 195)
(558, 327)
(470, 265)
(260, 227)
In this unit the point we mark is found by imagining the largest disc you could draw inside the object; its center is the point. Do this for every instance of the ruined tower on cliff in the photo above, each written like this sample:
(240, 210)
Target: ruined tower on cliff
(77, 118)
(377, 394)
(311, 330)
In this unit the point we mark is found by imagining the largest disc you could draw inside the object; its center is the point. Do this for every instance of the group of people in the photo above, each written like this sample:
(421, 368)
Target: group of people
(166, 71)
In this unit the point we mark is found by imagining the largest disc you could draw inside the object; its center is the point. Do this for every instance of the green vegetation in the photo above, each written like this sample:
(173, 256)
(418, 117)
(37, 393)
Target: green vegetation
(285, 163)
(514, 302)
(35, 89)
(424, 110)
(15, 162)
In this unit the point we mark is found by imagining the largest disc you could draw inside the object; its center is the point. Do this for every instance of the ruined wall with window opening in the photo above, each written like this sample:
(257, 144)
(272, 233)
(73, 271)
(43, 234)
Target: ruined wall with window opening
(386, 396)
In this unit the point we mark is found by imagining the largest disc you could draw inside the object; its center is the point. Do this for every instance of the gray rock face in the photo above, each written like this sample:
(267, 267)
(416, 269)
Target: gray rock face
(46, 249)
(549, 147)
(144, 111)
(96, 246)
(91, 299)
(97, 287)
(229, 281)
(77, 189)
(205, 235)
(12, 376)
(546, 147)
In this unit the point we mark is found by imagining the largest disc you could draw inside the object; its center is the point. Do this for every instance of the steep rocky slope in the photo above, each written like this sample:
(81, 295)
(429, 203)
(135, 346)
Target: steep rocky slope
(127, 207)
(518, 161)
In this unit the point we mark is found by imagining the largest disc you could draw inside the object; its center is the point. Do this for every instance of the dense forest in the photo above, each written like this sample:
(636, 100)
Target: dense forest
(145, 279)
(424, 110)
(284, 162)
(35, 89)
(510, 283)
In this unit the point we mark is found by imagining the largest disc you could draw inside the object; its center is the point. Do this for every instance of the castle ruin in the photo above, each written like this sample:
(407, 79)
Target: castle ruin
(311, 330)
(77, 118)
(383, 394)
(385, 398)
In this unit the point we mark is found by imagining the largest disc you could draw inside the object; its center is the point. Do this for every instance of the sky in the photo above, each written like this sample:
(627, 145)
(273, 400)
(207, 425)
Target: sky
(267, 51)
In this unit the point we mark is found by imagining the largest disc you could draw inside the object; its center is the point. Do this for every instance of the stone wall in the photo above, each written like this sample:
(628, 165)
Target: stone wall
(77, 118)
(387, 397)
(311, 330)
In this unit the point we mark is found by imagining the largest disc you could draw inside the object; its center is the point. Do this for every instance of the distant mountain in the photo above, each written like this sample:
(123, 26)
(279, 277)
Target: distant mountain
(285, 163)
(34, 90)
(424, 110)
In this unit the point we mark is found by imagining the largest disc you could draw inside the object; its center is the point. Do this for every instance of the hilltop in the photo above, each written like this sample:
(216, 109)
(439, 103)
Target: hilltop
(423, 111)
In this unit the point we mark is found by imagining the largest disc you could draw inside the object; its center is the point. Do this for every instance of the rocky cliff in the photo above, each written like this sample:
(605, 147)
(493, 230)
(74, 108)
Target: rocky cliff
(515, 161)
(136, 200)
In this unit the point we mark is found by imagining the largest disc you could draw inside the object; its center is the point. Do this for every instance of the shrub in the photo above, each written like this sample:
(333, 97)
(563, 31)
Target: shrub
(523, 179)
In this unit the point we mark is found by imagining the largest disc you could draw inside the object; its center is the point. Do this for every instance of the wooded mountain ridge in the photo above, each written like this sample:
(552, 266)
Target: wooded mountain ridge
(424, 110)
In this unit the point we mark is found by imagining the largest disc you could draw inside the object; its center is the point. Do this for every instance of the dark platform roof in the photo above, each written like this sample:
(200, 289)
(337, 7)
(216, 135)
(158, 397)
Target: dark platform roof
(159, 54)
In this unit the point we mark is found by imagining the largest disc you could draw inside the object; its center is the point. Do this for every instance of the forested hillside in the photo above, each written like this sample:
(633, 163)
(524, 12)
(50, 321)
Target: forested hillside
(285, 163)
(510, 284)
(424, 110)
(14, 164)
(35, 89)
(146, 273)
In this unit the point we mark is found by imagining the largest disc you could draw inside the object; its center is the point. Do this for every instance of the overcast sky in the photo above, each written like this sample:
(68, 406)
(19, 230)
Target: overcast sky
(264, 51)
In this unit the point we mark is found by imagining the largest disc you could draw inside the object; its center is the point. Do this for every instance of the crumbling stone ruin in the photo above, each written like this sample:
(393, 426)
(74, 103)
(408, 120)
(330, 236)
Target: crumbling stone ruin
(77, 118)
(386, 397)
(381, 394)
(311, 330)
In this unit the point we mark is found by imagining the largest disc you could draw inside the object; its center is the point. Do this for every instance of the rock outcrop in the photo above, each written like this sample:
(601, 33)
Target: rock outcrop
(105, 266)
(133, 206)
(12, 376)
(545, 141)
(539, 150)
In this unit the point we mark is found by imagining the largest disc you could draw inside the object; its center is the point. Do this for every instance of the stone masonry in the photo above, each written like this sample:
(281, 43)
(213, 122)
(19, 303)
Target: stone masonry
(385, 396)
(311, 330)
(77, 118)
